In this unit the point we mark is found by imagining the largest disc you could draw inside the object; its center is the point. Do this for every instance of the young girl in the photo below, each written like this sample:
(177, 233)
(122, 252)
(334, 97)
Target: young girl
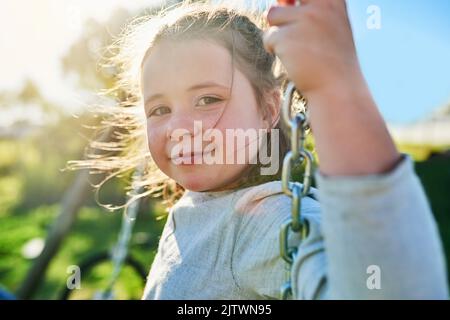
(216, 65)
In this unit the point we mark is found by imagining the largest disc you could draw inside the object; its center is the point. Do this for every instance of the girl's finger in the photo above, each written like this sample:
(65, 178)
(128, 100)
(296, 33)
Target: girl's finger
(270, 38)
(280, 15)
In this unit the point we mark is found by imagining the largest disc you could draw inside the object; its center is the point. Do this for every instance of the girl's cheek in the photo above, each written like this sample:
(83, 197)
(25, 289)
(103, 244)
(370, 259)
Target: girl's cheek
(153, 129)
(155, 138)
(157, 153)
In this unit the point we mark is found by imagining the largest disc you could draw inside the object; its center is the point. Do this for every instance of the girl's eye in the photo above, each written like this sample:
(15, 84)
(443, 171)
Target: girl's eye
(158, 111)
(208, 100)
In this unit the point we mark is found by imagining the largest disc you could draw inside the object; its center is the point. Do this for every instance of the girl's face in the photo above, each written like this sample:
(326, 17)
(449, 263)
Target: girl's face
(192, 81)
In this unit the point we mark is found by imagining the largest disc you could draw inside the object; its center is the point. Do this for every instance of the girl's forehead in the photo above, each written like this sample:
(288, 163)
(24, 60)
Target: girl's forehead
(187, 61)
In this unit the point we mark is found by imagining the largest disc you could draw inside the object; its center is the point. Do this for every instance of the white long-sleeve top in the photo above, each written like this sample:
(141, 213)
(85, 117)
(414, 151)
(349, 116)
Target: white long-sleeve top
(370, 237)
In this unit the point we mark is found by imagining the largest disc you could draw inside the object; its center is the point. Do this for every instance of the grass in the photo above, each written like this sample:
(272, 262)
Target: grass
(94, 231)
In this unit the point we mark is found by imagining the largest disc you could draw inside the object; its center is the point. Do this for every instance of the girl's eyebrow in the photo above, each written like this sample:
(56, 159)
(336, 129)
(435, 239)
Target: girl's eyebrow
(202, 85)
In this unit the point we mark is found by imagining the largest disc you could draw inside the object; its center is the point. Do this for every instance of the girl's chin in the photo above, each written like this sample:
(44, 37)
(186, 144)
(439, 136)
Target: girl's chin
(197, 186)
(194, 182)
(202, 184)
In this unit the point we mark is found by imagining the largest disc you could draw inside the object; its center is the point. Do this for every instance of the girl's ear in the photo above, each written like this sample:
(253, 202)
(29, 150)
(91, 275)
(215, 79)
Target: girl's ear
(272, 108)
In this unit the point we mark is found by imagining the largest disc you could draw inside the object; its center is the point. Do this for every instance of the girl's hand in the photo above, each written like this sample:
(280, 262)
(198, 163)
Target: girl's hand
(314, 42)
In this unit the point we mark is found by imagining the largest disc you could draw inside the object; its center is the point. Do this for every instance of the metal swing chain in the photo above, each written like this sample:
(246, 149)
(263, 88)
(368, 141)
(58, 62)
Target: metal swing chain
(120, 251)
(297, 123)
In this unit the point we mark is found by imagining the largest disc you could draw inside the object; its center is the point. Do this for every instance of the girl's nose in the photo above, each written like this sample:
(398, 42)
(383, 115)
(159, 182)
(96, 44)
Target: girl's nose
(182, 124)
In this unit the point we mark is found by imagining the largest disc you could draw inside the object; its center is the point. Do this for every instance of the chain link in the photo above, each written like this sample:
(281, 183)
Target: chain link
(120, 250)
(296, 122)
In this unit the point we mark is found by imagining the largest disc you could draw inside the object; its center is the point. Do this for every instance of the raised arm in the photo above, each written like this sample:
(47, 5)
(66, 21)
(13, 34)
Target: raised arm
(315, 43)
(375, 212)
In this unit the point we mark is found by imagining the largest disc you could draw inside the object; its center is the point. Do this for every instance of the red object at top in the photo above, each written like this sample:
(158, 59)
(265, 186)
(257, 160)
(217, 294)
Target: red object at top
(287, 2)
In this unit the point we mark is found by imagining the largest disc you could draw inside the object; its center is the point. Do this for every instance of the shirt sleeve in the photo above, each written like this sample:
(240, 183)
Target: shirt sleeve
(381, 240)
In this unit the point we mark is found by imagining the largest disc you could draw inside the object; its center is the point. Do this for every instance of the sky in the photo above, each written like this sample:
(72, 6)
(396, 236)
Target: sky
(406, 61)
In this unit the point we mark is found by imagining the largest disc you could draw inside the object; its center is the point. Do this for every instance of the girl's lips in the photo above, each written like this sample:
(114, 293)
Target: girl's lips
(189, 159)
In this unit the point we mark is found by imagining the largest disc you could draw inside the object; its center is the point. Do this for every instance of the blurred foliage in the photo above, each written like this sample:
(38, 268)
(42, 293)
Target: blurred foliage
(32, 181)
(86, 56)
(421, 152)
(435, 177)
(32, 185)
(31, 168)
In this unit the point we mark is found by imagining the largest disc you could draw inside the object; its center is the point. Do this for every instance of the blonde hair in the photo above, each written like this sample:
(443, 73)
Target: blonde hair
(238, 30)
